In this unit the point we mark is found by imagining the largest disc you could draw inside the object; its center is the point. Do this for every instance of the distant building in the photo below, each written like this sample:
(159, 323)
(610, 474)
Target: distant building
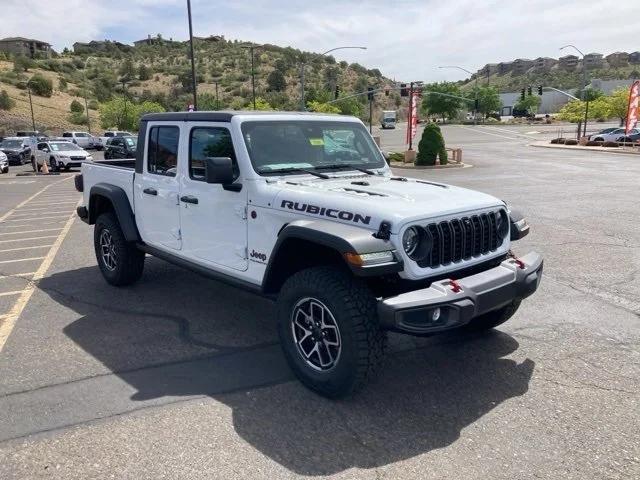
(100, 46)
(521, 65)
(210, 38)
(608, 86)
(504, 67)
(487, 70)
(568, 62)
(544, 64)
(28, 47)
(551, 102)
(157, 40)
(618, 59)
(593, 60)
(634, 57)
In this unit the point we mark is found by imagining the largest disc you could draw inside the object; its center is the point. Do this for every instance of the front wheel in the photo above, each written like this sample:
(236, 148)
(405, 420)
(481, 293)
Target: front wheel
(53, 165)
(5, 170)
(120, 262)
(329, 330)
(492, 319)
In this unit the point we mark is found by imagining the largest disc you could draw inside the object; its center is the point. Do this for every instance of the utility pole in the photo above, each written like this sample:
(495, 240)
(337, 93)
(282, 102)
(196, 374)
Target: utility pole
(193, 60)
(217, 102)
(302, 104)
(584, 86)
(33, 120)
(253, 78)
(124, 114)
(410, 116)
(370, 97)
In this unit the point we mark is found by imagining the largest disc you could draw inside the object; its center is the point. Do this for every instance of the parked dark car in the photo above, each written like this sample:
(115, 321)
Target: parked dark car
(631, 138)
(121, 147)
(18, 150)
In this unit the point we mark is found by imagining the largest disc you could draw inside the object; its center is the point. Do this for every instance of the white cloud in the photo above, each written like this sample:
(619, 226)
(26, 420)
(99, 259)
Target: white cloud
(406, 39)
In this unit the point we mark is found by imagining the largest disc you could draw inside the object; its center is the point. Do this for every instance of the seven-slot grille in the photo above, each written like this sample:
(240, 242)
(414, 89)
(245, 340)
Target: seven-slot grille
(461, 239)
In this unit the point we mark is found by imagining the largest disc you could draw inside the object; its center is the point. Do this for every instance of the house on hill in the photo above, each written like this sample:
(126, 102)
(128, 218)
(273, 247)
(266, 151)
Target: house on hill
(617, 59)
(100, 46)
(634, 57)
(568, 62)
(544, 64)
(504, 67)
(521, 65)
(593, 60)
(28, 47)
(157, 40)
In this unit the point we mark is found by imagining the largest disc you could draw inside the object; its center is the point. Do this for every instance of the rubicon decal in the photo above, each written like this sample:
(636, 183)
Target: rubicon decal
(326, 212)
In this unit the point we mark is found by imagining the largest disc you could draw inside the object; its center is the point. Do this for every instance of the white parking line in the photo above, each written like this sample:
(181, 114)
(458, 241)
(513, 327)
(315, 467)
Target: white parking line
(32, 231)
(7, 294)
(49, 203)
(31, 259)
(37, 215)
(27, 239)
(9, 320)
(35, 195)
(26, 274)
(25, 248)
(34, 218)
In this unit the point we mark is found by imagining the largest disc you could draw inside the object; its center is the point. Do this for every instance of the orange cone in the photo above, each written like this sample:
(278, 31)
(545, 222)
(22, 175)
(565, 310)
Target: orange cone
(45, 168)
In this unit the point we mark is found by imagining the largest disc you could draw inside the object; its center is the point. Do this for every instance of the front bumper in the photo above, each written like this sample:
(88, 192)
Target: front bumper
(416, 312)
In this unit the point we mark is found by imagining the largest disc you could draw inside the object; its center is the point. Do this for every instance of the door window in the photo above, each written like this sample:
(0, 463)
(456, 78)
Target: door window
(209, 142)
(162, 154)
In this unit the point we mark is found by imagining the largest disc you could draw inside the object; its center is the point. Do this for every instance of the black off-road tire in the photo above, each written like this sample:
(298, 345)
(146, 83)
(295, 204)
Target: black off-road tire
(129, 261)
(492, 319)
(353, 307)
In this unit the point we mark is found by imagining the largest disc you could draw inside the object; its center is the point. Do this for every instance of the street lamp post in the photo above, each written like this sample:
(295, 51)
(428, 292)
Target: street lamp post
(584, 86)
(475, 104)
(86, 92)
(303, 65)
(193, 60)
(253, 72)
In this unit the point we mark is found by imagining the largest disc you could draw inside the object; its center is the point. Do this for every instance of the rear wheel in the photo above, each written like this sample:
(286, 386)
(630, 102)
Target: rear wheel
(492, 319)
(5, 170)
(34, 164)
(53, 165)
(599, 139)
(329, 330)
(120, 262)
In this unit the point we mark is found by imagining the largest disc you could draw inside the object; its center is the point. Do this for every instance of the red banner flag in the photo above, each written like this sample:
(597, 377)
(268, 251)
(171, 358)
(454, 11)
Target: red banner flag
(632, 110)
(412, 127)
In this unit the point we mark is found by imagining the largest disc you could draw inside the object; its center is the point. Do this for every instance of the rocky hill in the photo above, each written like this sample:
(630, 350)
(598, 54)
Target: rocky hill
(159, 71)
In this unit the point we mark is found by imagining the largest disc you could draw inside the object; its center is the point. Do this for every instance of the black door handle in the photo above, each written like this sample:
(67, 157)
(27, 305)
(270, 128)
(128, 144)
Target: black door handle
(150, 191)
(189, 199)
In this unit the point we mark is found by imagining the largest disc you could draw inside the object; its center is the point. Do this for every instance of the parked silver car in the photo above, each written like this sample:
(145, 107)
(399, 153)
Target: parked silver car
(60, 155)
(4, 163)
(616, 135)
(83, 139)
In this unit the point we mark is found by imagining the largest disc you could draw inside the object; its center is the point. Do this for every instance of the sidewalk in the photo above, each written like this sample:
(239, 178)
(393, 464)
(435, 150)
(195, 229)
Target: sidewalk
(620, 150)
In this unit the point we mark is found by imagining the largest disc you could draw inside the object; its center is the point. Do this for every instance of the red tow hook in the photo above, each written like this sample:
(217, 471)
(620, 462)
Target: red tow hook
(519, 263)
(455, 286)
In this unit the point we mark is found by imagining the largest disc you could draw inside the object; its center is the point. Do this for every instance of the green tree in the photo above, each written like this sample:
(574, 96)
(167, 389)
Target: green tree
(530, 103)
(62, 84)
(262, 104)
(124, 114)
(431, 146)
(127, 71)
(144, 73)
(276, 81)
(40, 85)
(618, 103)
(104, 85)
(315, 106)
(22, 64)
(76, 107)
(6, 103)
(350, 106)
(572, 112)
(439, 99)
(488, 99)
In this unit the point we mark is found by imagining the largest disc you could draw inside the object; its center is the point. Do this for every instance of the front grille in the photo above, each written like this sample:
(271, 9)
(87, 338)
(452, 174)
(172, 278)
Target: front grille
(462, 239)
(77, 158)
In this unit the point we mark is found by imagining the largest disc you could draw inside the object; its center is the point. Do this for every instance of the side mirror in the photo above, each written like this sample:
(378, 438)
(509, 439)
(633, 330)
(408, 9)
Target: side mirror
(218, 170)
(45, 150)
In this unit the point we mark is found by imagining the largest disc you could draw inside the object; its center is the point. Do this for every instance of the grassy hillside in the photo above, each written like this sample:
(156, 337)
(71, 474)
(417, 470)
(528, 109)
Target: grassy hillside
(161, 73)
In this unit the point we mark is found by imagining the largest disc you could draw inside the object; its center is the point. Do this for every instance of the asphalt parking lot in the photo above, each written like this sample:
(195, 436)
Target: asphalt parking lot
(182, 377)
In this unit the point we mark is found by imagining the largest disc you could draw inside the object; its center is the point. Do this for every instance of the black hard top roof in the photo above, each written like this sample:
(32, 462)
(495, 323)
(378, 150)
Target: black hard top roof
(222, 116)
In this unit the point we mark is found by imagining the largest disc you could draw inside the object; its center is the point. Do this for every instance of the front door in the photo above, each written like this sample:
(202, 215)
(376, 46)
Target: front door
(215, 228)
(156, 189)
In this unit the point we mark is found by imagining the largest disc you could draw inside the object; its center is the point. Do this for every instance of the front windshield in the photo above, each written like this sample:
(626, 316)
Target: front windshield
(131, 141)
(63, 146)
(11, 144)
(288, 145)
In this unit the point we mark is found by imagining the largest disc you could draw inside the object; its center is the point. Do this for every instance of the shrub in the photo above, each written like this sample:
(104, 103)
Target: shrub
(40, 85)
(394, 157)
(62, 84)
(76, 107)
(22, 63)
(594, 143)
(77, 118)
(431, 146)
(5, 101)
(610, 144)
(94, 105)
(571, 142)
(557, 140)
(143, 72)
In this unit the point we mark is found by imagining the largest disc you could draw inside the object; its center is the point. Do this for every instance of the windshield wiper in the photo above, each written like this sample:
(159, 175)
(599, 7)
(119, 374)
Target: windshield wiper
(295, 169)
(343, 166)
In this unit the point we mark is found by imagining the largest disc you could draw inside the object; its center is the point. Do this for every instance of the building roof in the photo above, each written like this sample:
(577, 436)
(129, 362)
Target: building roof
(22, 39)
(593, 54)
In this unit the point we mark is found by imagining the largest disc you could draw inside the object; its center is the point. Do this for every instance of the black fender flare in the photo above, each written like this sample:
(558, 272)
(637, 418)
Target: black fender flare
(518, 227)
(339, 237)
(121, 206)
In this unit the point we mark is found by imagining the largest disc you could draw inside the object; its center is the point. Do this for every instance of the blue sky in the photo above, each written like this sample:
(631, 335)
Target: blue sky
(406, 39)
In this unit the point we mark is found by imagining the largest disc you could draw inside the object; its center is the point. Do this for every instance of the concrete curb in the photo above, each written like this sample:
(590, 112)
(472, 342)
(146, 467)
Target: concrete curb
(580, 148)
(428, 167)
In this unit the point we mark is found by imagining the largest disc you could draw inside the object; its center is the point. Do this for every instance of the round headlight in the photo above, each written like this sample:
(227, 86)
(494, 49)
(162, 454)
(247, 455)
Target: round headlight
(410, 240)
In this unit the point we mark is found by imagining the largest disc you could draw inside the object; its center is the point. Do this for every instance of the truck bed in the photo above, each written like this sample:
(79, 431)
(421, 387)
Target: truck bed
(119, 173)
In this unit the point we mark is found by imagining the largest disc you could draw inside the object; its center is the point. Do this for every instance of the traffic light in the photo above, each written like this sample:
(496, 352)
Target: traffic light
(522, 94)
(337, 94)
(404, 91)
(529, 91)
(370, 93)
(540, 90)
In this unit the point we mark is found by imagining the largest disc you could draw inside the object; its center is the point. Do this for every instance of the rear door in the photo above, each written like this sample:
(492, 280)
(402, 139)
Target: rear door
(156, 189)
(214, 229)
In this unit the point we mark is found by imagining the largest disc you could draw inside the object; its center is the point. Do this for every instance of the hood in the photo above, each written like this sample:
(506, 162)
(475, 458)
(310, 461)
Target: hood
(368, 200)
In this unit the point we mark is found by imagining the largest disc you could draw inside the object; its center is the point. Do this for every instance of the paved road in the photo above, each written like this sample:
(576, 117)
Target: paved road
(181, 377)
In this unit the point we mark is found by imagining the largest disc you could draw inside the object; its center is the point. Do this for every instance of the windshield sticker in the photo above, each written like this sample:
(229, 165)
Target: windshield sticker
(316, 142)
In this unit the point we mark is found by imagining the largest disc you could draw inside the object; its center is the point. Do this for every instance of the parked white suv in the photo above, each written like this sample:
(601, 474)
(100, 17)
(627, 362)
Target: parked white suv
(83, 139)
(303, 209)
(60, 155)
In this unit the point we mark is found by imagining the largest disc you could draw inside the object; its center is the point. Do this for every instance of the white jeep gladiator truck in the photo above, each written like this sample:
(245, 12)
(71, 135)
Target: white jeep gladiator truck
(302, 208)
